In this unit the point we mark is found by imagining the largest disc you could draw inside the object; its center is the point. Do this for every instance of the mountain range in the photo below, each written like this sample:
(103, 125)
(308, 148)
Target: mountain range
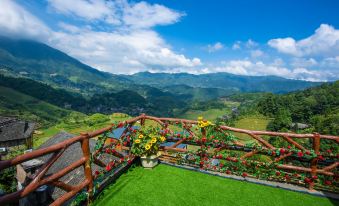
(43, 63)
(49, 75)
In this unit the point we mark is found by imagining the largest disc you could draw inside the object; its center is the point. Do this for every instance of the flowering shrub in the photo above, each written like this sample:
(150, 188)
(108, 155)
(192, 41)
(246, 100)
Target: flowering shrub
(146, 141)
(203, 123)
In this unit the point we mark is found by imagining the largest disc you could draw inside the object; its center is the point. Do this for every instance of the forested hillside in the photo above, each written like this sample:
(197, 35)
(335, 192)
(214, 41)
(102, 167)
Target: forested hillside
(318, 107)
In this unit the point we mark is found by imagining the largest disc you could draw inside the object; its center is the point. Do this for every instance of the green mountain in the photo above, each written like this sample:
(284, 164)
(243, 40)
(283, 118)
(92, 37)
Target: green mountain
(43, 63)
(226, 81)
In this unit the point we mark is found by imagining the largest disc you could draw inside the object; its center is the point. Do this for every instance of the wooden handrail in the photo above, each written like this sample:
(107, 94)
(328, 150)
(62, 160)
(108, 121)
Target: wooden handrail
(83, 139)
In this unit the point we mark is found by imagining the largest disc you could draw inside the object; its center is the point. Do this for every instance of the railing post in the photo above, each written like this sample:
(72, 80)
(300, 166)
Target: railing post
(87, 167)
(203, 135)
(314, 161)
(142, 121)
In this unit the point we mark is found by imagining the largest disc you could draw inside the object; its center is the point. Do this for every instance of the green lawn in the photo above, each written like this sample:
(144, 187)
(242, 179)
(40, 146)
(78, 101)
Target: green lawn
(166, 185)
(251, 123)
(210, 114)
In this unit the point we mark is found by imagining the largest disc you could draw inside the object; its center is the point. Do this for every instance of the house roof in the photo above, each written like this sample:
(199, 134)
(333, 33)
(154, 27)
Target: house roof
(70, 155)
(14, 129)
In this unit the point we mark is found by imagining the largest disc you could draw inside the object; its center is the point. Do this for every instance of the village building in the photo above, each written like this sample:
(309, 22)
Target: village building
(15, 132)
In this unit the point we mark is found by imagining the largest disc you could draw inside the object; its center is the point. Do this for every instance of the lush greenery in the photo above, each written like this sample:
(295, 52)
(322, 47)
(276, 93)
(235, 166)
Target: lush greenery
(318, 107)
(166, 185)
(14, 103)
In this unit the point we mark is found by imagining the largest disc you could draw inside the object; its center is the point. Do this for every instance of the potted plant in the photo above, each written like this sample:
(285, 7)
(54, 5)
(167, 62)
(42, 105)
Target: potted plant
(146, 143)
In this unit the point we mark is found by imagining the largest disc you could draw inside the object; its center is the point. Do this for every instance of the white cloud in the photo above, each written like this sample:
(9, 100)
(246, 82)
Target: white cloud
(251, 44)
(324, 42)
(136, 15)
(256, 53)
(145, 15)
(303, 62)
(89, 10)
(15, 21)
(259, 68)
(214, 47)
(236, 45)
(123, 50)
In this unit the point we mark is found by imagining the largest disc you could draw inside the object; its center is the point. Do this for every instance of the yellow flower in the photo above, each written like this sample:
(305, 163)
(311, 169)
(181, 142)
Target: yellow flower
(200, 118)
(163, 138)
(137, 141)
(141, 136)
(148, 146)
(154, 140)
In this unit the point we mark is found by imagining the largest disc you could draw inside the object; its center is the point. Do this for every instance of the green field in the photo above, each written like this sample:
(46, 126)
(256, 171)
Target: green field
(77, 127)
(251, 123)
(210, 114)
(167, 185)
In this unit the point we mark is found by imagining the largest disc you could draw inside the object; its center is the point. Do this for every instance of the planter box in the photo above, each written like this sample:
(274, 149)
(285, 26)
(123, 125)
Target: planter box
(149, 162)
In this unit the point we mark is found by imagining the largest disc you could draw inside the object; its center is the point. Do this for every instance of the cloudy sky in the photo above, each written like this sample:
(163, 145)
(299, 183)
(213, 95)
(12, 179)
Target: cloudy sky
(288, 38)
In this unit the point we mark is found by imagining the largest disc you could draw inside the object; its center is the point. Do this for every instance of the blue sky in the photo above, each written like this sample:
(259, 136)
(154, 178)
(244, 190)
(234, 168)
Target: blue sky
(292, 39)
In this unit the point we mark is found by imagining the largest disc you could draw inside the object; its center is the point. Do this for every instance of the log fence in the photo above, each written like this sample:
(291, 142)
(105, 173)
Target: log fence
(191, 135)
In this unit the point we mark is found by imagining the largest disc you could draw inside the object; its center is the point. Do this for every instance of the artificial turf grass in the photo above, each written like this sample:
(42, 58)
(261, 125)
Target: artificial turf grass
(167, 185)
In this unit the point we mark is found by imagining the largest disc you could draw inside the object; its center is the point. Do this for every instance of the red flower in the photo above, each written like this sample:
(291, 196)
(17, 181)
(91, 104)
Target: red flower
(308, 152)
(300, 154)
(244, 162)
(278, 173)
(320, 157)
(120, 125)
(220, 156)
(287, 177)
(204, 139)
(107, 150)
(125, 143)
(228, 172)
(282, 151)
(221, 165)
(122, 159)
(289, 147)
(307, 180)
(178, 135)
(212, 137)
(129, 162)
(327, 182)
(273, 153)
(329, 151)
(244, 174)
(96, 172)
(108, 168)
(176, 122)
(314, 177)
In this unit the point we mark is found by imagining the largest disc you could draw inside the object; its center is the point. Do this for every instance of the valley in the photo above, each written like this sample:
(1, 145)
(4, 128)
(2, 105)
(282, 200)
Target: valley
(62, 94)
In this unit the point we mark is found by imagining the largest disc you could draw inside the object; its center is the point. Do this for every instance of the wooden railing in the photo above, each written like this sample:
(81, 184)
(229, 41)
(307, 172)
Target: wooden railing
(191, 136)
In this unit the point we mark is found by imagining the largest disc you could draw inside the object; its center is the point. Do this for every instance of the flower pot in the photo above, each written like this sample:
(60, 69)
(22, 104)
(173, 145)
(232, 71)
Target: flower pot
(149, 162)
